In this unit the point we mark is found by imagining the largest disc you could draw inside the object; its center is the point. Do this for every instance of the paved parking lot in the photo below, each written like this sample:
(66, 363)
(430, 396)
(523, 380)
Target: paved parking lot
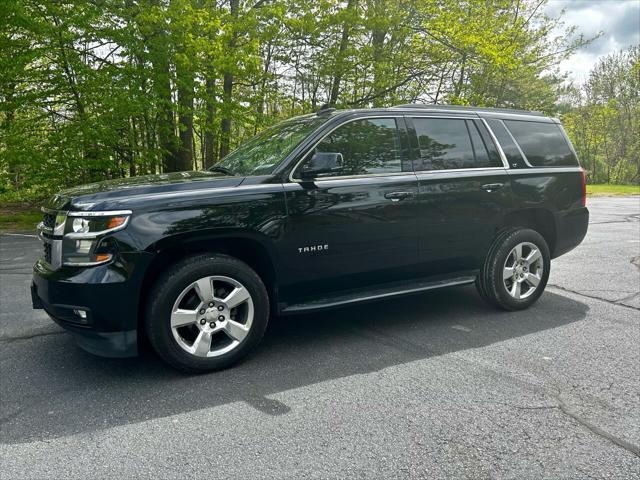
(437, 385)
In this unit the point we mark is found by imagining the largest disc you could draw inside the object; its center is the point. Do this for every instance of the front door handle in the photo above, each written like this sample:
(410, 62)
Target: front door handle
(397, 196)
(490, 187)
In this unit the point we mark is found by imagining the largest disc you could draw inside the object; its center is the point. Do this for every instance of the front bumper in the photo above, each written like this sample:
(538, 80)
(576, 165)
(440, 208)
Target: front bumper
(98, 305)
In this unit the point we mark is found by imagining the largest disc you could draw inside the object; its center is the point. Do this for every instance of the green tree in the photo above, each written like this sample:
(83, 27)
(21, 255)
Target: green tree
(93, 90)
(603, 119)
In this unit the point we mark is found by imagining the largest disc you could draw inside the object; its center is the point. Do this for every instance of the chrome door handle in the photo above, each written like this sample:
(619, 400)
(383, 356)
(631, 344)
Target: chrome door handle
(490, 187)
(397, 196)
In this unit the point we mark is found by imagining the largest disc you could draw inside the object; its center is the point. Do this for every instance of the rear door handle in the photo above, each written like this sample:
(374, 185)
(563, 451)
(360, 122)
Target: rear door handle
(397, 196)
(490, 187)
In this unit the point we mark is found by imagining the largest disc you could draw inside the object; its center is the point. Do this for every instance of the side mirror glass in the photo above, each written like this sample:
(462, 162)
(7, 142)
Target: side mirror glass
(321, 163)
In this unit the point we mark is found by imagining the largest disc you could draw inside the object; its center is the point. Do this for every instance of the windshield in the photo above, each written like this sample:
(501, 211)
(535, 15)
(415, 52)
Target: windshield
(261, 154)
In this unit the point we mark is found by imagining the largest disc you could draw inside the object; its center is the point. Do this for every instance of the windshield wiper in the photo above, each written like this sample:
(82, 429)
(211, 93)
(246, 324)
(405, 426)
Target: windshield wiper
(218, 168)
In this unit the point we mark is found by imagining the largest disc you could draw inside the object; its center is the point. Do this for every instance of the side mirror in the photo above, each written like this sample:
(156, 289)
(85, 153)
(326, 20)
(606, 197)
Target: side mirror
(321, 163)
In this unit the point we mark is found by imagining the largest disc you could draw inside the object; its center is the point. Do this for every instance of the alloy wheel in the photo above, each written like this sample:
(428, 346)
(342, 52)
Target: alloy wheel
(522, 271)
(212, 316)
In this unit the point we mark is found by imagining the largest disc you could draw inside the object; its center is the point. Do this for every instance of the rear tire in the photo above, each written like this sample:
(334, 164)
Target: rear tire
(516, 269)
(206, 313)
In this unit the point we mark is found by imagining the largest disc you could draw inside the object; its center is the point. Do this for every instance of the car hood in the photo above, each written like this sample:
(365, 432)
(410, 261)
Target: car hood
(110, 193)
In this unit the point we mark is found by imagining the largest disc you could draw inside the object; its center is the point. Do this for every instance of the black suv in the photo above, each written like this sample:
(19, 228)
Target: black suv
(319, 211)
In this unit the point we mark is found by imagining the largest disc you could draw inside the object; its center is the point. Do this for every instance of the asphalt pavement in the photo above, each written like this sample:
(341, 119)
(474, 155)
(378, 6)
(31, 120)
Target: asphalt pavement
(437, 385)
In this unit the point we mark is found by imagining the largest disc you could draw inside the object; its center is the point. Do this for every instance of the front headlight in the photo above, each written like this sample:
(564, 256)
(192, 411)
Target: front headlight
(83, 233)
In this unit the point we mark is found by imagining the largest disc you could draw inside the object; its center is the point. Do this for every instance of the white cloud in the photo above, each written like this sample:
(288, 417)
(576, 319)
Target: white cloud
(617, 20)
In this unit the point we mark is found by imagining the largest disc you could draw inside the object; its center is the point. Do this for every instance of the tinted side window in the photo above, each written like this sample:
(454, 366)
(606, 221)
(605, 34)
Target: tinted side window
(483, 147)
(367, 146)
(509, 147)
(542, 143)
(494, 156)
(444, 144)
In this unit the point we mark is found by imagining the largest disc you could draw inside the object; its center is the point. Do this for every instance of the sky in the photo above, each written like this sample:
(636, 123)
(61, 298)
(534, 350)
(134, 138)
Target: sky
(618, 20)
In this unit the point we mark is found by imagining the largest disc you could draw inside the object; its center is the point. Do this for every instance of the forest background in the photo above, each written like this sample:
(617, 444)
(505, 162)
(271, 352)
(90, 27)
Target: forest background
(93, 90)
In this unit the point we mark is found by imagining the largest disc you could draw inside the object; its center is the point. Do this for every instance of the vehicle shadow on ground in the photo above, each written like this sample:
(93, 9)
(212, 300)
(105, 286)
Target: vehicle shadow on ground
(51, 388)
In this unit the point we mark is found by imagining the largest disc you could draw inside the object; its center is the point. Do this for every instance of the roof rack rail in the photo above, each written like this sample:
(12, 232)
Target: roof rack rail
(465, 108)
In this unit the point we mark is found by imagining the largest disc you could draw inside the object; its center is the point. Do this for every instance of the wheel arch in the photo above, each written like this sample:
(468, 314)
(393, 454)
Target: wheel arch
(256, 251)
(541, 220)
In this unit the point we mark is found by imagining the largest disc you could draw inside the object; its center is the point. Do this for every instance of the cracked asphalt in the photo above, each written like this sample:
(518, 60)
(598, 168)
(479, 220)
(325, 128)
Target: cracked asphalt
(437, 385)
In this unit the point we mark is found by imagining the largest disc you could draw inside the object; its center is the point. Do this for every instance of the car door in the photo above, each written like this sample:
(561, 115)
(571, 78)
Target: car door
(352, 227)
(464, 191)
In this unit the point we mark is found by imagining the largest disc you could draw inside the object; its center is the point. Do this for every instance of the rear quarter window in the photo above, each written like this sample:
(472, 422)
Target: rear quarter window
(509, 147)
(543, 144)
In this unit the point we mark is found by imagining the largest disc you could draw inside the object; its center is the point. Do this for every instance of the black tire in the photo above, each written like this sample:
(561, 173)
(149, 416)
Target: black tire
(489, 282)
(170, 286)
(481, 279)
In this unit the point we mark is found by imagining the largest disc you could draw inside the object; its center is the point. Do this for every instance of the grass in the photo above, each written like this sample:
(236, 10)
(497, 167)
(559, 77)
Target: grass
(605, 189)
(19, 217)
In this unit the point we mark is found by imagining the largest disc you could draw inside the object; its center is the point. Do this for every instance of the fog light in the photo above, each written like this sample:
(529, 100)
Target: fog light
(81, 313)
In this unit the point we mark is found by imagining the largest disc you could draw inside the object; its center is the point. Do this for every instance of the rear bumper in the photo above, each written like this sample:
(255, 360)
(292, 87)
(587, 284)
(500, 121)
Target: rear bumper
(571, 228)
(98, 305)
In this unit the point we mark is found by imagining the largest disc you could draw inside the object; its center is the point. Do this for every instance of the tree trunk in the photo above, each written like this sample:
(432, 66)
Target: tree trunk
(460, 82)
(377, 42)
(133, 147)
(166, 122)
(209, 133)
(339, 65)
(225, 124)
(227, 89)
(185, 117)
(263, 90)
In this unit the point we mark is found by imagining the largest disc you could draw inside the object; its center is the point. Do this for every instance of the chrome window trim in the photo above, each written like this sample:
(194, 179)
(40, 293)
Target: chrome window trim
(365, 117)
(543, 170)
(503, 157)
(409, 176)
(453, 170)
(364, 176)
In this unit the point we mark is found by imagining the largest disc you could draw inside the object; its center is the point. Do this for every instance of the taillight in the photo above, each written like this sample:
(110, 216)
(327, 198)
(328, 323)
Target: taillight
(584, 188)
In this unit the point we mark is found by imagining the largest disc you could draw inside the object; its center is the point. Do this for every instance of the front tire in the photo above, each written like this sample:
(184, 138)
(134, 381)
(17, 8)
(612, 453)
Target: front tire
(206, 313)
(516, 269)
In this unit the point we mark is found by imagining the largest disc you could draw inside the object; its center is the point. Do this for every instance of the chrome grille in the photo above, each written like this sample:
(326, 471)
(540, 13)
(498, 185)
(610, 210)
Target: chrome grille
(48, 224)
(49, 220)
(47, 252)
(51, 237)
